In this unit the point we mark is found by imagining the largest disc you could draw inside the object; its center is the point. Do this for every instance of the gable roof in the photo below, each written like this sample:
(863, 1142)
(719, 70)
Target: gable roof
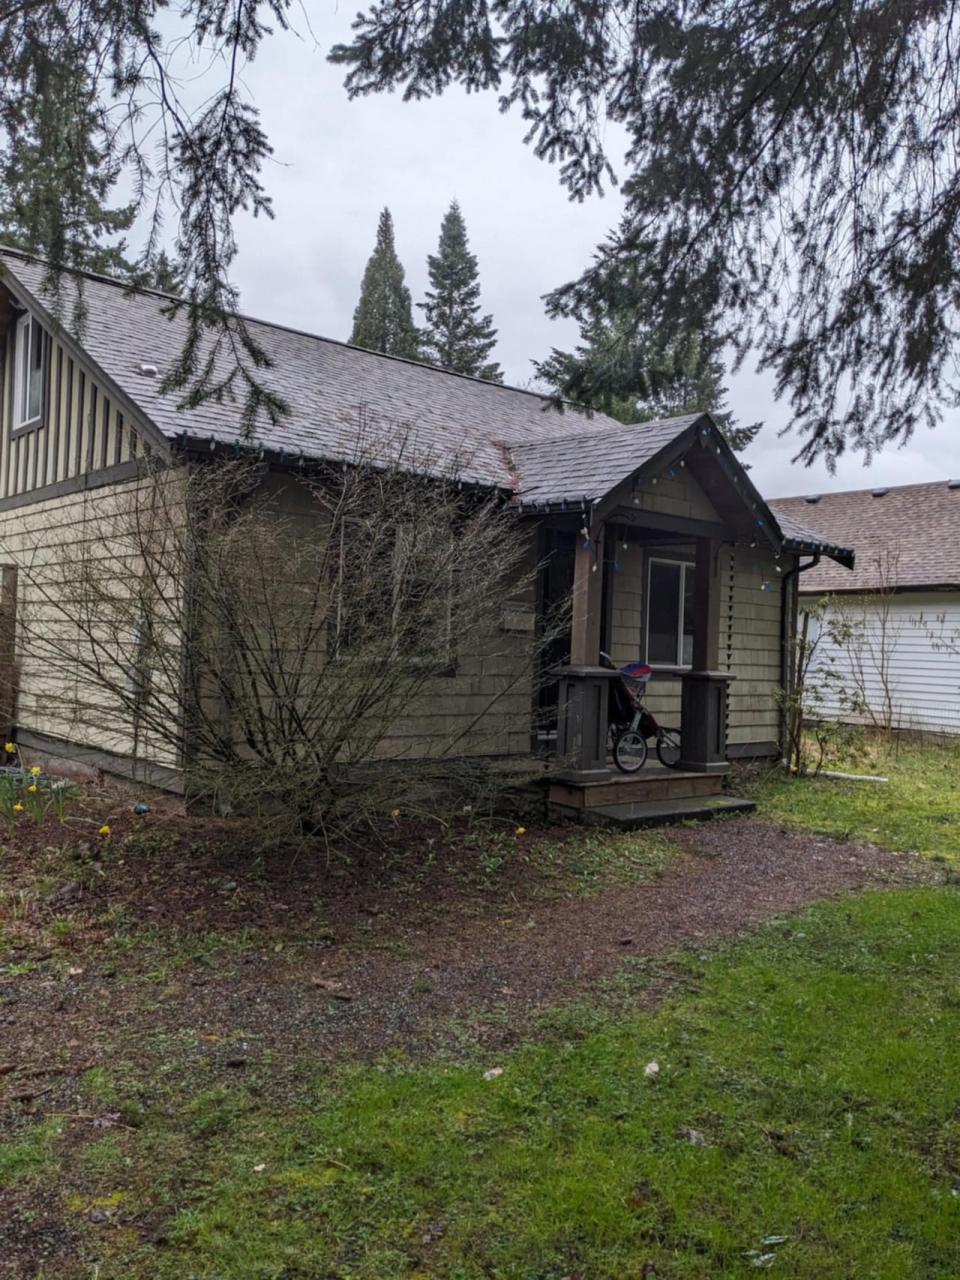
(343, 399)
(906, 536)
(335, 392)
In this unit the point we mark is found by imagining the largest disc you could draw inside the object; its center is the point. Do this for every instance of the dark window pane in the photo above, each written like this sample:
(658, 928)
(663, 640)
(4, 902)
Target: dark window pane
(663, 613)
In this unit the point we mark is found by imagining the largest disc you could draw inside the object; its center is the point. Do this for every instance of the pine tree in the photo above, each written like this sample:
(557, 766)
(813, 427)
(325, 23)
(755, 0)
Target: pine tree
(792, 167)
(632, 379)
(456, 336)
(55, 176)
(383, 320)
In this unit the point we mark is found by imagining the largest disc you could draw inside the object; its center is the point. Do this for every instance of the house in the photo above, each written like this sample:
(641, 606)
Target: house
(901, 602)
(670, 552)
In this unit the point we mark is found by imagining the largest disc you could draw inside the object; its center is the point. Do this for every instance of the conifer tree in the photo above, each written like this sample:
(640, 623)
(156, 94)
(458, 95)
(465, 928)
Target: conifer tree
(456, 336)
(55, 177)
(634, 379)
(383, 320)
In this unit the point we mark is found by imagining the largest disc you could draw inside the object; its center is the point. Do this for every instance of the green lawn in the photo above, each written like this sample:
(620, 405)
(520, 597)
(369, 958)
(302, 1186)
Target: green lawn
(918, 808)
(817, 1064)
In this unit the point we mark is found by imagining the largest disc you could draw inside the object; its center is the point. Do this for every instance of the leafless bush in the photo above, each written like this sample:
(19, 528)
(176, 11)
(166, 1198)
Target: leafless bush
(307, 648)
(818, 687)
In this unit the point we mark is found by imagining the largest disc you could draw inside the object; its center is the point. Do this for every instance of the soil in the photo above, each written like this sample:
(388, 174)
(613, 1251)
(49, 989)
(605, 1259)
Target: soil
(166, 938)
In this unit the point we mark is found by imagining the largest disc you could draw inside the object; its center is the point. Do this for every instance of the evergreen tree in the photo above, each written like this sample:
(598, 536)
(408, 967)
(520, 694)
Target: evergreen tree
(456, 336)
(55, 176)
(633, 379)
(383, 320)
(161, 272)
(791, 167)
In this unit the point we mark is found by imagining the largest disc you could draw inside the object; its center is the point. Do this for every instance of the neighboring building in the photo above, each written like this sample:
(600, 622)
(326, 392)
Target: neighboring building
(902, 599)
(691, 560)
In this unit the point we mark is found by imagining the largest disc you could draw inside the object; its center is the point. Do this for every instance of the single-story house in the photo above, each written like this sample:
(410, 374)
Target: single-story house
(901, 602)
(669, 551)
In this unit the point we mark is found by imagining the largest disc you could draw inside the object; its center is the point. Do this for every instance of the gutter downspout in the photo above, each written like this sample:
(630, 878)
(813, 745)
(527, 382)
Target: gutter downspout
(788, 589)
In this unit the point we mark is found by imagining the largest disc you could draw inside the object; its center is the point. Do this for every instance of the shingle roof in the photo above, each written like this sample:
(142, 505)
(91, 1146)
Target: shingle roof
(590, 463)
(907, 536)
(335, 392)
(343, 399)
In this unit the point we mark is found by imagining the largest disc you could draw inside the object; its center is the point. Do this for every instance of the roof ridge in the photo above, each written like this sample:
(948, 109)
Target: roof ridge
(129, 288)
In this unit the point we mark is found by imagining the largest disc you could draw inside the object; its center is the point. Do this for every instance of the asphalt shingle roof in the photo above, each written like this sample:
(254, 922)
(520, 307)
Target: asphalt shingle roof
(344, 401)
(336, 393)
(592, 462)
(908, 536)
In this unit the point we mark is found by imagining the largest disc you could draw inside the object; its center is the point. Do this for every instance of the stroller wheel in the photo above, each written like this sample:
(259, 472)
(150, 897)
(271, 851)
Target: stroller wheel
(630, 751)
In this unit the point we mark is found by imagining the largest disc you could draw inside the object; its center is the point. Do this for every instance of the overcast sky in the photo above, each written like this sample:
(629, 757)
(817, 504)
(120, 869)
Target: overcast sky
(337, 163)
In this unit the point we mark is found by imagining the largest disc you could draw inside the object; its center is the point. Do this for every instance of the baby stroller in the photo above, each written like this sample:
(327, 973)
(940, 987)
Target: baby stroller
(631, 724)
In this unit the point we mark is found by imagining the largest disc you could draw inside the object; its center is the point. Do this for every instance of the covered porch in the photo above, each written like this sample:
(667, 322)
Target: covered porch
(669, 509)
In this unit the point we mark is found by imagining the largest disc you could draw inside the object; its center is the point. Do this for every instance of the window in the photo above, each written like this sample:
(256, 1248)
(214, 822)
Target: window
(27, 372)
(393, 597)
(670, 613)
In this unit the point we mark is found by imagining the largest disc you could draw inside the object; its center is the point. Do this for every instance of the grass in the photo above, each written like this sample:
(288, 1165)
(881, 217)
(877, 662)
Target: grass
(917, 809)
(814, 1064)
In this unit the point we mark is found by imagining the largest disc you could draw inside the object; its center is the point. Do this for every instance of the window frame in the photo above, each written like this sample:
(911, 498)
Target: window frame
(686, 568)
(26, 323)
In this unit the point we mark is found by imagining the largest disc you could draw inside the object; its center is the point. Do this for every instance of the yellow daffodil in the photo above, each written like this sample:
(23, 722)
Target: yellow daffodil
(36, 771)
(394, 813)
(18, 807)
(32, 787)
(520, 831)
(104, 830)
(9, 748)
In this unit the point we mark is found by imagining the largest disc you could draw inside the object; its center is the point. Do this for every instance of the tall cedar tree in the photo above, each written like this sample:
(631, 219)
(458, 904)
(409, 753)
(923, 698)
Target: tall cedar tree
(793, 168)
(456, 336)
(383, 320)
(634, 380)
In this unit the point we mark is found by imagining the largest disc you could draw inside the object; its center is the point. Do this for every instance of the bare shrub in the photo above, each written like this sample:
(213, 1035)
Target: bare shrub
(292, 644)
(818, 686)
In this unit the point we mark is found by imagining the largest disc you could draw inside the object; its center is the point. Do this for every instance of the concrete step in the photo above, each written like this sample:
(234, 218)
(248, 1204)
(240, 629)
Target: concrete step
(661, 813)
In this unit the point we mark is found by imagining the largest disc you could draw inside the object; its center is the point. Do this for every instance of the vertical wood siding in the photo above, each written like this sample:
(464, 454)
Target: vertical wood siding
(82, 429)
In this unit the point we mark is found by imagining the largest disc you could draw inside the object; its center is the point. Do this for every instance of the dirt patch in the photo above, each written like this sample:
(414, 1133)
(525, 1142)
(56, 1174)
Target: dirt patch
(299, 961)
(162, 949)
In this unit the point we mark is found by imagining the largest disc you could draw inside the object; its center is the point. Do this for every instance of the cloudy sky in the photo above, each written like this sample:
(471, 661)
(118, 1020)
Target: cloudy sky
(337, 163)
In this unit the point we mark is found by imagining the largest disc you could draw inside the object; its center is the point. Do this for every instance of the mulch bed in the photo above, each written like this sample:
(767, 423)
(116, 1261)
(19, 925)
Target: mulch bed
(228, 961)
(342, 965)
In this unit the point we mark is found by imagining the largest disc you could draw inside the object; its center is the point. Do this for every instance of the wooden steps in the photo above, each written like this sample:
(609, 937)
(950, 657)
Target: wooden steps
(650, 784)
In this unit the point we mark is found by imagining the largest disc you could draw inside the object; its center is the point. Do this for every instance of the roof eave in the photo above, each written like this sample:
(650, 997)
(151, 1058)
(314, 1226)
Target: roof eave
(802, 546)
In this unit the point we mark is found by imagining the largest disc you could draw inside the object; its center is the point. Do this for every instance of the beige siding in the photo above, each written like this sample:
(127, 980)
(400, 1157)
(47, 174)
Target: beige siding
(749, 634)
(676, 495)
(484, 705)
(82, 429)
(750, 641)
(55, 543)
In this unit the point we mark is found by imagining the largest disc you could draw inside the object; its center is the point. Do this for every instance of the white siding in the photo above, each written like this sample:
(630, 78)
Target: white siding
(923, 648)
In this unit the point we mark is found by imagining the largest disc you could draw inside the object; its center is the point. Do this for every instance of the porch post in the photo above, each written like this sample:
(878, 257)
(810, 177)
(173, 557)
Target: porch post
(587, 595)
(584, 684)
(703, 708)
